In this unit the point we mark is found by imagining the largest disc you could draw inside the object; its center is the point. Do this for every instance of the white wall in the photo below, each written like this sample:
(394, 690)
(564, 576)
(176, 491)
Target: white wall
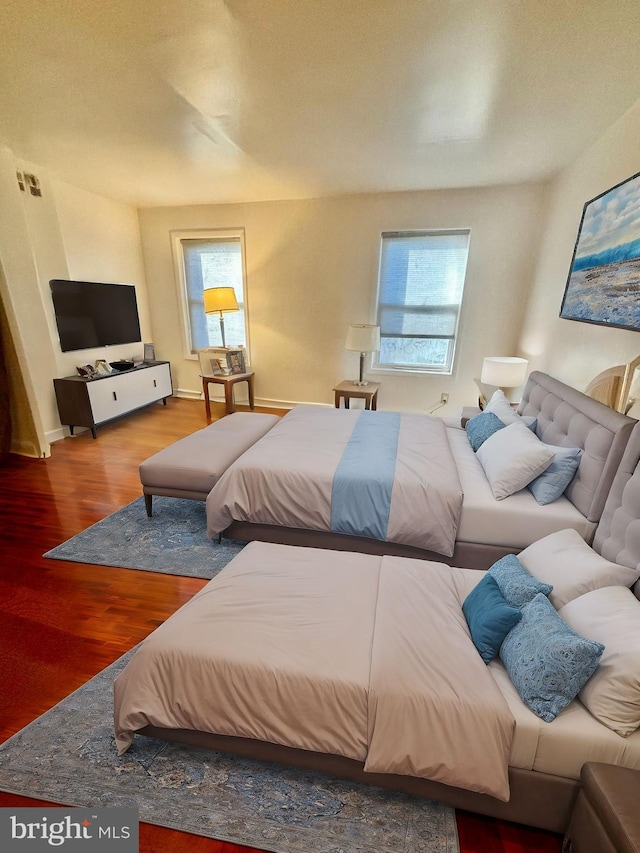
(571, 351)
(63, 233)
(101, 242)
(312, 269)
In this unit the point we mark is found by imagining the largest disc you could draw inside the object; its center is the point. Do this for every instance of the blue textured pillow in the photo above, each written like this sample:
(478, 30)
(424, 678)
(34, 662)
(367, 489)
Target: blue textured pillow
(547, 661)
(517, 585)
(551, 483)
(489, 617)
(481, 426)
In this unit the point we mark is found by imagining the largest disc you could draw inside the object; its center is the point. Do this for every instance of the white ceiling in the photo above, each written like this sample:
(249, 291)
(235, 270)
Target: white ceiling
(158, 102)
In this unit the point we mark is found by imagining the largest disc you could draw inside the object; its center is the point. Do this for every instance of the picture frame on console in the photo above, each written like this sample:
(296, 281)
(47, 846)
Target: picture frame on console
(602, 286)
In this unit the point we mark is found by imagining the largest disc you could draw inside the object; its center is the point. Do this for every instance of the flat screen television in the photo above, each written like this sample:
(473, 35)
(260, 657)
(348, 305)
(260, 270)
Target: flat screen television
(95, 314)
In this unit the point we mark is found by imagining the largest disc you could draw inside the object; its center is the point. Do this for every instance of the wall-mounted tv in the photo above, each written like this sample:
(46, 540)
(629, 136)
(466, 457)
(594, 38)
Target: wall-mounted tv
(95, 314)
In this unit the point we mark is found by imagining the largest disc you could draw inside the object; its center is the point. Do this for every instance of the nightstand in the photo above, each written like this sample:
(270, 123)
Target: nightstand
(228, 381)
(349, 390)
(468, 412)
(605, 815)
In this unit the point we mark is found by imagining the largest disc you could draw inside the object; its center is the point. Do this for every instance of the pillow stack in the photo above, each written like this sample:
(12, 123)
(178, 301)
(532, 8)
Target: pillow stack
(566, 625)
(514, 458)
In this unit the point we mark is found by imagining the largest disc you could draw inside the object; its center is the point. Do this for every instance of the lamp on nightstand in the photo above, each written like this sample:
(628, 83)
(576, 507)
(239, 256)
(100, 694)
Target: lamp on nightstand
(363, 338)
(504, 372)
(218, 300)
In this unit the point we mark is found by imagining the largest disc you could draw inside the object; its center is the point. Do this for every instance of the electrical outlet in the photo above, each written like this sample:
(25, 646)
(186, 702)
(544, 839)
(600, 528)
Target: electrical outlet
(444, 398)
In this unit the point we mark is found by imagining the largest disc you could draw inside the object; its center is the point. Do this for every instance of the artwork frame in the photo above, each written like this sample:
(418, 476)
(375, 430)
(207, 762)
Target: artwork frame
(236, 362)
(603, 284)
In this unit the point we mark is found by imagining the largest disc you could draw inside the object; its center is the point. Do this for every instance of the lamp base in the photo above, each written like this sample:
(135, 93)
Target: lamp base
(360, 382)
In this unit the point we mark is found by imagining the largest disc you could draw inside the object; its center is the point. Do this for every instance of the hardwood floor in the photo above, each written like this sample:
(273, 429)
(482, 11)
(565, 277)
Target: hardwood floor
(61, 623)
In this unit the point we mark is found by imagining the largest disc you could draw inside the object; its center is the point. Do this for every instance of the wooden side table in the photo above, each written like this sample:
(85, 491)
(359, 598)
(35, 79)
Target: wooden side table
(468, 412)
(228, 382)
(348, 390)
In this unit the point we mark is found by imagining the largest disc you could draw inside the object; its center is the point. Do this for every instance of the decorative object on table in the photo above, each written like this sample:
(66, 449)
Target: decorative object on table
(122, 364)
(363, 338)
(504, 372)
(602, 286)
(87, 371)
(149, 352)
(235, 361)
(101, 367)
(213, 361)
(219, 300)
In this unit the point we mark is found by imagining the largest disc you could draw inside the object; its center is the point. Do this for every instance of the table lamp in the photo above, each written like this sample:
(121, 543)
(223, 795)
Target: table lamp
(504, 372)
(363, 338)
(219, 300)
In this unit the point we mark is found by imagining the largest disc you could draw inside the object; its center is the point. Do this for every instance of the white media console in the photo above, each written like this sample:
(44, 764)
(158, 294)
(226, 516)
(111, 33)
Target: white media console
(91, 402)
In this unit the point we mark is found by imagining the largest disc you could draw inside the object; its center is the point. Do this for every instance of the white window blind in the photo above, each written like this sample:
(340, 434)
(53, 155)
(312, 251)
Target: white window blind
(419, 298)
(213, 262)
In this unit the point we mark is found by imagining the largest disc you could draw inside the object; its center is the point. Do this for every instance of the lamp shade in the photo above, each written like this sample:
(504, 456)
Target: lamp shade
(363, 338)
(220, 299)
(503, 371)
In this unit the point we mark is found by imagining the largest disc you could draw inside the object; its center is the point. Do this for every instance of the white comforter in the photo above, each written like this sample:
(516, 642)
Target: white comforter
(350, 654)
(288, 479)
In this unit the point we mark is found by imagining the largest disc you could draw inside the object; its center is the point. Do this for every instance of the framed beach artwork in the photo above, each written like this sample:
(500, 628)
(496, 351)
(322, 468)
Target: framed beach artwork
(603, 286)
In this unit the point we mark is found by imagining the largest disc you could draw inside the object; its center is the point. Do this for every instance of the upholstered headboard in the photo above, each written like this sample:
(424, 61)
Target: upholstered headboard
(617, 536)
(569, 418)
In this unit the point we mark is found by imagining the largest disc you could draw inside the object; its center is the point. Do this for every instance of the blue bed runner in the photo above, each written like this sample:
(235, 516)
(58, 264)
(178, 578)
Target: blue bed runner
(363, 481)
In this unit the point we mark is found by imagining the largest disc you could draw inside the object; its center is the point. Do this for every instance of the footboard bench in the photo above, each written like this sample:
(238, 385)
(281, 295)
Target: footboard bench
(190, 467)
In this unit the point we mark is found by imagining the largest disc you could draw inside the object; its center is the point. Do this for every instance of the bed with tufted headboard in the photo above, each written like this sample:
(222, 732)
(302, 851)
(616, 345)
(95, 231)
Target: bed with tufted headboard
(280, 490)
(254, 632)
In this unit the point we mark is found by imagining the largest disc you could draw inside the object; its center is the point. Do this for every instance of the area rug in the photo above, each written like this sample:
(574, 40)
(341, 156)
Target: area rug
(68, 756)
(173, 541)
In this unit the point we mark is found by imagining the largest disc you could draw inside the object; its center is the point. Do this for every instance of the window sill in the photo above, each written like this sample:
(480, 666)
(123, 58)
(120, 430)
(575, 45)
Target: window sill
(408, 371)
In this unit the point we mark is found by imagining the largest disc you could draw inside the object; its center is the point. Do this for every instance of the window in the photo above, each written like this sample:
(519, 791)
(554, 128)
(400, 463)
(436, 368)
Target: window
(419, 299)
(214, 259)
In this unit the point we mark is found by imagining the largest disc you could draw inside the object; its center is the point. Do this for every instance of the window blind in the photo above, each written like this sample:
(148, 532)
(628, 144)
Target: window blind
(419, 298)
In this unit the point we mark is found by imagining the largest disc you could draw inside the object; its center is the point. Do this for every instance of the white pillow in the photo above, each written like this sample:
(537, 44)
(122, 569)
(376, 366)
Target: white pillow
(572, 567)
(611, 615)
(501, 408)
(512, 457)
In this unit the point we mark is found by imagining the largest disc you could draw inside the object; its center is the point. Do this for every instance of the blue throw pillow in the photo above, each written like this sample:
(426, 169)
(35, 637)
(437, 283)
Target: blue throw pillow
(547, 661)
(551, 483)
(481, 426)
(489, 617)
(517, 585)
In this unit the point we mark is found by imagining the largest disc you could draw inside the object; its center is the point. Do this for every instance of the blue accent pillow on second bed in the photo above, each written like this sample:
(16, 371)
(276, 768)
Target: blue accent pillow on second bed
(489, 617)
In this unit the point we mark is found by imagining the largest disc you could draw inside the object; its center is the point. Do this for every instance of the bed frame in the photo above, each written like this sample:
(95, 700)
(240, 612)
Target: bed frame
(537, 799)
(565, 417)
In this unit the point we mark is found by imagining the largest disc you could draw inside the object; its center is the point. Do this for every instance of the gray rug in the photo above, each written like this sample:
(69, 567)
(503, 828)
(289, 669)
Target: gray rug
(68, 756)
(173, 541)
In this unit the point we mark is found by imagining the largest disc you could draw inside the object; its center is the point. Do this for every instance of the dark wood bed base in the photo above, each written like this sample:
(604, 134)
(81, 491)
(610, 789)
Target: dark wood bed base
(468, 555)
(537, 799)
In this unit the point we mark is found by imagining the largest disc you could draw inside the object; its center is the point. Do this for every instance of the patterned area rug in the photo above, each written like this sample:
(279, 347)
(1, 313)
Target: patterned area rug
(68, 756)
(173, 541)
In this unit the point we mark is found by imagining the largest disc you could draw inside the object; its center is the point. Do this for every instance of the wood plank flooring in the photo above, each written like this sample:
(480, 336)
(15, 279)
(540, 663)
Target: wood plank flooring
(61, 623)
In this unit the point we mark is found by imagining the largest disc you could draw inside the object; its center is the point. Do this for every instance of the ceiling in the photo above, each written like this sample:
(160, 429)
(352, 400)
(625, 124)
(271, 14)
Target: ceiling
(164, 102)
